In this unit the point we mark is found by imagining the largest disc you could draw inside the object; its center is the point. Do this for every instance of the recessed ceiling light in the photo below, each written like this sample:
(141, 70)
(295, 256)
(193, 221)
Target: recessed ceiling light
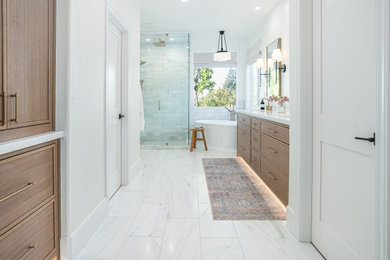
(148, 39)
(257, 8)
(172, 39)
(184, 1)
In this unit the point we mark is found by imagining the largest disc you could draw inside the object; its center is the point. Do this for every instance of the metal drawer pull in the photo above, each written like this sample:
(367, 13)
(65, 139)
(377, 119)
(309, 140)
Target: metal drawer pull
(242, 147)
(273, 131)
(254, 138)
(17, 192)
(31, 248)
(272, 177)
(254, 159)
(2, 95)
(272, 151)
(242, 132)
(16, 108)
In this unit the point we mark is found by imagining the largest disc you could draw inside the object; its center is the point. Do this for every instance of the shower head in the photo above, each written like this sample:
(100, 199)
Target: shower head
(160, 43)
(141, 62)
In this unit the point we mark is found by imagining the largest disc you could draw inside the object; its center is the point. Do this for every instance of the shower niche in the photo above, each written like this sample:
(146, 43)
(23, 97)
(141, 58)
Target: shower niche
(165, 88)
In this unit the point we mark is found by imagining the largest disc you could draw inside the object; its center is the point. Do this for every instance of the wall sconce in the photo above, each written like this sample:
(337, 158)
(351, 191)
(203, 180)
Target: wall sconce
(260, 66)
(278, 58)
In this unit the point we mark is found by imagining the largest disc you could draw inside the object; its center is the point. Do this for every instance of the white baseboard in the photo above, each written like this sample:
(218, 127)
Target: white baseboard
(72, 246)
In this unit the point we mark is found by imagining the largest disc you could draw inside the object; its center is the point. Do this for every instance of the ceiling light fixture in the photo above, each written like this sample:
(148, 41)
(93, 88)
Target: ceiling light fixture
(172, 39)
(148, 39)
(184, 1)
(257, 8)
(222, 53)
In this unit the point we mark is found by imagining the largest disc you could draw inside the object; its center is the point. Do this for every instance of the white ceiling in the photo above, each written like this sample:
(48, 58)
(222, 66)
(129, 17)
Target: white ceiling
(237, 17)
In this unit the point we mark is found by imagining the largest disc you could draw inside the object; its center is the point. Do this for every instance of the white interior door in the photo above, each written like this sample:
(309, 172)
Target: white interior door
(114, 108)
(345, 92)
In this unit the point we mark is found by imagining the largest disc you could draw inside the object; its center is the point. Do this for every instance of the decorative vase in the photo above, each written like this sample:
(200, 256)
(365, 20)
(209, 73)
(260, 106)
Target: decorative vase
(282, 108)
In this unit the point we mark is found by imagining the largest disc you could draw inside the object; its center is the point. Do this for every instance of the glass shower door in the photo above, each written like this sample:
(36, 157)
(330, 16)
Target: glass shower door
(165, 75)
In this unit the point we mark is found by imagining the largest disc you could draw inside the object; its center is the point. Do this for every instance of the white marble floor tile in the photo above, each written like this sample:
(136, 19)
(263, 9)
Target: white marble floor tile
(181, 240)
(158, 197)
(279, 229)
(203, 193)
(107, 241)
(257, 239)
(210, 228)
(222, 249)
(185, 183)
(126, 203)
(150, 221)
(296, 250)
(184, 205)
(140, 248)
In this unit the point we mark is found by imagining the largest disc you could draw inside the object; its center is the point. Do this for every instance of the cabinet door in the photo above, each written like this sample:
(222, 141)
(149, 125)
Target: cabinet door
(28, 61)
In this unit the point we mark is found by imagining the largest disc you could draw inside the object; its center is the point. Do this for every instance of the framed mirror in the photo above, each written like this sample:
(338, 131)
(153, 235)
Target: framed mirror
(274, 82)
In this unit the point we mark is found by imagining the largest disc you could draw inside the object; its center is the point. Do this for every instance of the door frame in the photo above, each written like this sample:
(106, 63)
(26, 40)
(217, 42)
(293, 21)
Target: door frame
(114, 18)
(299, 211)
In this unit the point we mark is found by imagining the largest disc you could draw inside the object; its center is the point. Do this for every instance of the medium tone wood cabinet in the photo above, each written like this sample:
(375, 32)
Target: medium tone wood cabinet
(29, 178)
(29, 203)
(264, 145)
(27, 78)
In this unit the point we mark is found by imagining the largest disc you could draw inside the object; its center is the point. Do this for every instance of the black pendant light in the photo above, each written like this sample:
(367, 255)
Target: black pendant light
(222, 53)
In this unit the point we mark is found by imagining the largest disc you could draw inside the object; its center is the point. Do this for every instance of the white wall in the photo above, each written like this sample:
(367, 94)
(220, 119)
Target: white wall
(81, 105)
(207, 43)
(275, 26)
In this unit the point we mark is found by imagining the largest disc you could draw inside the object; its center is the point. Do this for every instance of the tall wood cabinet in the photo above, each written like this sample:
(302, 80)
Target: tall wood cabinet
(29, 178)
(27, 78)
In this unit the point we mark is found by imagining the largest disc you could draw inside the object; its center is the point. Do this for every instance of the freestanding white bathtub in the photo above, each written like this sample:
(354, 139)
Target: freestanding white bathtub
(221, 135)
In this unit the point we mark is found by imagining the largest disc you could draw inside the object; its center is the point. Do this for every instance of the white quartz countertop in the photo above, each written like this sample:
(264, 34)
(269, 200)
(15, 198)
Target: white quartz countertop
(281, 118)
(18, 144)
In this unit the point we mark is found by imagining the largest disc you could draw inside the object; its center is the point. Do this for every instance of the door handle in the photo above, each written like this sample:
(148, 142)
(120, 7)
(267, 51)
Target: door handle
(370, 139)
(121, 116)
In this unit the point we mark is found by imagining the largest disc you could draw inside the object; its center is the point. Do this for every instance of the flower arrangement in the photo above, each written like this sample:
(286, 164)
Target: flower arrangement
(282, 100)
(272, 98)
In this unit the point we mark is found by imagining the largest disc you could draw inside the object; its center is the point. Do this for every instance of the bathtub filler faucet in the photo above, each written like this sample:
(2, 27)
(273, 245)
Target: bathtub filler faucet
(232, 113)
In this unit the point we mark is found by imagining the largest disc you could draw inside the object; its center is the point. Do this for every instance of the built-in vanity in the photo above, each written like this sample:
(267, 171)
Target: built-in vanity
(263, 142)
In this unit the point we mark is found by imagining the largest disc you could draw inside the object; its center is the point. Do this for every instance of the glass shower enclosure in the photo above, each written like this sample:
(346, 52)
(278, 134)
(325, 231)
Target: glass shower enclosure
(165, 88)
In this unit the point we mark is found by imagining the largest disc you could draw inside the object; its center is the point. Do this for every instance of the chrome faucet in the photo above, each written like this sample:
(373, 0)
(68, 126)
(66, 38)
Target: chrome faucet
(232, 113)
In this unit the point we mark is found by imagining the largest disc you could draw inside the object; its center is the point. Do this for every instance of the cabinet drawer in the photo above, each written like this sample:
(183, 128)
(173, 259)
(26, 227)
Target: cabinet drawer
(255, 161)
(27, 181)
(279, 132)
(256, 124)
(243, 119)
(275, 178)
(276, 151)
(34, 238)
(255, 140)
(243, 134)
(244, 153)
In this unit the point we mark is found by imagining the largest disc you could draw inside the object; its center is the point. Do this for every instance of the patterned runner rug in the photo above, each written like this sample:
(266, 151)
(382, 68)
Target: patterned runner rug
(237, 193)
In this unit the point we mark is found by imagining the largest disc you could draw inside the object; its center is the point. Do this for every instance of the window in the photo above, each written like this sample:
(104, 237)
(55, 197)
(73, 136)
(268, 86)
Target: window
(214, 86)
(256, 84)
